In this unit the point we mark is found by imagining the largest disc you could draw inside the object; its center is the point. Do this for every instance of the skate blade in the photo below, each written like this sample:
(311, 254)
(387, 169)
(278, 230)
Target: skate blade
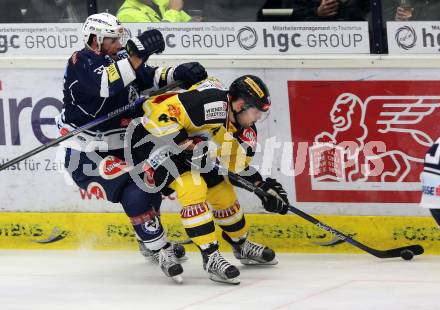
(177, 279)
(233, 281)
(251, 262)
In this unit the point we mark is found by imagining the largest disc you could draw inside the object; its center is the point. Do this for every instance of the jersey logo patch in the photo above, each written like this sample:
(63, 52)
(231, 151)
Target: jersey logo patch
(158, 157)
(97, 190)
(192, 211)
(430, 190)
(113, 73)
(249, 136)
(215, 110)
(225, 213)
(174, 111)
(152, 227)
(112, 167)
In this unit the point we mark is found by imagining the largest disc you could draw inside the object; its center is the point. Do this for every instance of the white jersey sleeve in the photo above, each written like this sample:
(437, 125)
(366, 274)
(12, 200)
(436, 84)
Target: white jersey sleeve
(431, 178)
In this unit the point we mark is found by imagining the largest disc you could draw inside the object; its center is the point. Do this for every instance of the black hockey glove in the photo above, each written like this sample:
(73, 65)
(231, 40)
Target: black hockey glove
(190, 73)
(148, 43)
(271, 203)
(196, 155)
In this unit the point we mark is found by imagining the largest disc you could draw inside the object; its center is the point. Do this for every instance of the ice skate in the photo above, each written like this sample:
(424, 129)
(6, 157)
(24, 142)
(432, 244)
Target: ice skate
(251, 253)
(169, 263)
(218, 268)
(179, 252)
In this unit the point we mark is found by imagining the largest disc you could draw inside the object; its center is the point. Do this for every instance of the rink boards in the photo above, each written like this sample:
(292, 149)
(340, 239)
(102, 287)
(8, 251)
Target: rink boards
(43, 209)
(308, 98)
(289, 233)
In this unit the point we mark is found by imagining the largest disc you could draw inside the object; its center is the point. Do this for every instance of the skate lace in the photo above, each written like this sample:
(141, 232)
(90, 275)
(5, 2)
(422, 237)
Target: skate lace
(166, 256)
(217, 263)
(251, 249)
(155, 258)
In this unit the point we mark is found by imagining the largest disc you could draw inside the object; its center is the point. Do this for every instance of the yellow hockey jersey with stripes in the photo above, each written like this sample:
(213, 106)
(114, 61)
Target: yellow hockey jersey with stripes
(202, 111)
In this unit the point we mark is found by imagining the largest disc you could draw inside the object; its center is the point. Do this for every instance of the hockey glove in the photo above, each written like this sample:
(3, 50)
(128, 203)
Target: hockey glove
(197, 153)
(148, 43)
(277, 201)
(190, 73)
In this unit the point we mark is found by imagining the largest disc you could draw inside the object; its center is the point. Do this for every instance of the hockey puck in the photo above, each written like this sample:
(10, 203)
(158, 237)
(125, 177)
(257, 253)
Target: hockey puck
(407, 254)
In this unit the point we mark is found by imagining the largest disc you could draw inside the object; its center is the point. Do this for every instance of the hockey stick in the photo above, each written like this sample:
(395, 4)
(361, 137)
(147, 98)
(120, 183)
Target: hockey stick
(406, 252)
(87, 126)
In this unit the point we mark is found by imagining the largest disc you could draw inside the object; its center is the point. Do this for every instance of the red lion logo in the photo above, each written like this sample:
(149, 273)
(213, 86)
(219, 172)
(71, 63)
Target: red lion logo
(375, 140)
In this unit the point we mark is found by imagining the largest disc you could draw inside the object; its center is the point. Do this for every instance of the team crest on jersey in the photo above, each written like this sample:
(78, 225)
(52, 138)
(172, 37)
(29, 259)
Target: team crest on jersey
(174, 111)
(215, 110)
(249, 136)
(152, 227)
(112, 167)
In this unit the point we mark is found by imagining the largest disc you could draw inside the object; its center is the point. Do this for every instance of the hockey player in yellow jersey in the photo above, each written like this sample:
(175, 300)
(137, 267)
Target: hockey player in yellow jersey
(205, 120)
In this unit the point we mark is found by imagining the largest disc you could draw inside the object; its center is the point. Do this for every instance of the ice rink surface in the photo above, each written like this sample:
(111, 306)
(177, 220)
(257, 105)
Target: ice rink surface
(82, 280)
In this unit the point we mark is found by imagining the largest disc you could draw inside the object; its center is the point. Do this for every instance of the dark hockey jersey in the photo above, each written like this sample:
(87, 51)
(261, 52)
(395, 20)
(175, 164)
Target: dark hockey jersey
(95, 85)
(432, 159)
(431, 178)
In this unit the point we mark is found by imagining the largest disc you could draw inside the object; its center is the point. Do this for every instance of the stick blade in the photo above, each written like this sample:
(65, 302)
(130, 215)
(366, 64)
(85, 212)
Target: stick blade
(415, 249)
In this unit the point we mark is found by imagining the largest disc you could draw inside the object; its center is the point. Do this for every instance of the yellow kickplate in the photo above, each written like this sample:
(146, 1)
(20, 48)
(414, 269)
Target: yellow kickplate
(288, 233)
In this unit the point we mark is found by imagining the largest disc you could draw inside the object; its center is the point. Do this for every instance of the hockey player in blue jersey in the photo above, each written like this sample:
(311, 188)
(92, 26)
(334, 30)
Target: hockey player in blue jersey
(99, 79)
(431, 181)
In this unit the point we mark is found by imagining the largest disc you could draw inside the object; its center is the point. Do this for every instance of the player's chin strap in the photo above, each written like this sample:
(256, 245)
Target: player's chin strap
(234, 113)
(406, 252)
(244, 108)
